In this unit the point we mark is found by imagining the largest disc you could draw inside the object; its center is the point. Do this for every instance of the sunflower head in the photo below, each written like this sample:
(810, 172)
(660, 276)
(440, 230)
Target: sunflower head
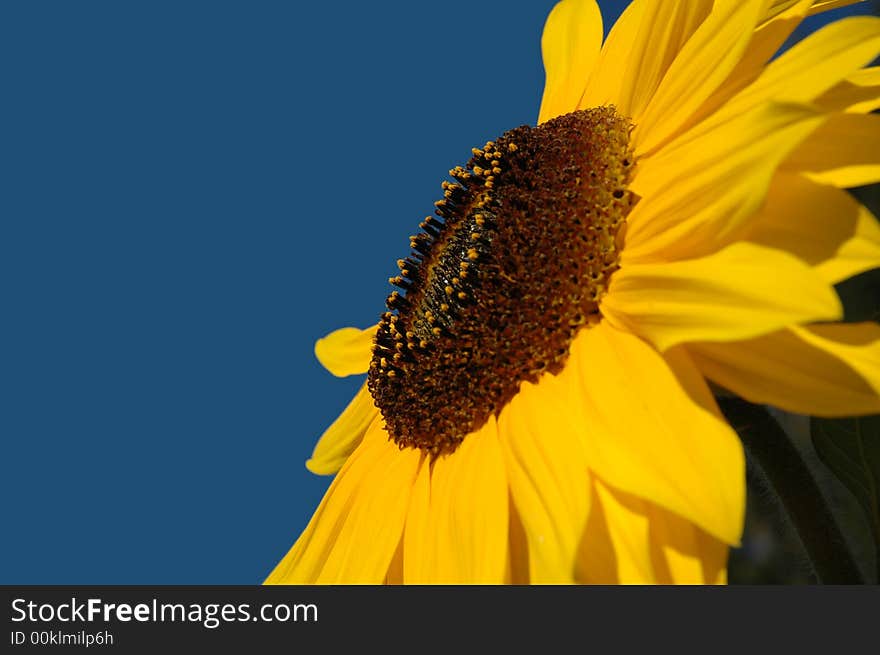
(496, 291)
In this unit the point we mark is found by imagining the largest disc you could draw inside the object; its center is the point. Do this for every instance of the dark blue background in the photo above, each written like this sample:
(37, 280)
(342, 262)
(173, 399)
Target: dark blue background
(192, 193)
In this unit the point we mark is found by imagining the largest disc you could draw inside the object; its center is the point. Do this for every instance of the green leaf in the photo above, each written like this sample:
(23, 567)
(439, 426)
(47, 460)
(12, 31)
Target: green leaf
(851, 449)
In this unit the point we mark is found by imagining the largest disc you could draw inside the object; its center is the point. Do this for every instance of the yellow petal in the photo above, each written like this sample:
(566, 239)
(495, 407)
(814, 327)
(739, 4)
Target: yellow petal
(859, 93)
(344, 434)
(353, 535)
(821, 225)
(824, 370)
(808, 69)
(640, 48)
(764, 43)
(818, 6)
(548, 478)
(418, 538)
(682, 553)
(346, 351)
(816, 63)
(857, 344)
(845, 151)
(518, 549)
(697, 195)
(395, 569)
(597, 557)
(458, 530)
(653, 430)
(606, 81)
(616, 544)
(630, 540)
(700, 67)
(740, 292)
(570, 46)
(824, 5)
(665, 28)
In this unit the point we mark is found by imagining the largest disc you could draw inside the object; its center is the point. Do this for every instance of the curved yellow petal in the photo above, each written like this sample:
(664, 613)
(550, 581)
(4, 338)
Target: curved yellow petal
(823, 370)
(457, 532)
(819, 224)
(418, 539)
(639, 50)
(697, 195)
(518, 569)
(703, 63)
(346, 351)
(740, 292)
(547, 473)
(816, 6)
(765, 41)
(824, 5)
(859, 93)
(607, 78)
(344, 434)
(844, 151)
(665, 28)
(857, 344)
(653, 430)
(353, 535)
(615, 548)
(395, 568)
(682, 553)
(815, 64)
(807, 70)
(630, 540)
(570, 46)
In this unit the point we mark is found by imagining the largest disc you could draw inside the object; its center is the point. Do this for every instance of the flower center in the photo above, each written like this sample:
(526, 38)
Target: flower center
(500, 281)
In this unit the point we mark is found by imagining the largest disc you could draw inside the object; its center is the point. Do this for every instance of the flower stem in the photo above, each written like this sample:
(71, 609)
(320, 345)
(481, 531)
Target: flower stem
(789, 478)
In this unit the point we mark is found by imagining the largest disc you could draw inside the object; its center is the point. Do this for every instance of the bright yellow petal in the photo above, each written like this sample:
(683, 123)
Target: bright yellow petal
(682, 553)
(517, 550)
(653, 430)
(570, 46)
(354, 533)
(665, 28)
(815, 64)
(651, 35)
(460, 522)
(697, 195)
(764, 43)
(630, 540)
(858, 94)
(740, 292)
(418, 537)
(395, 569)
(808, 69)
(346, 351)
(344, 434)
(606, 81)
(616, 546)
(857, 344)
(547, 473)
(845, 151)
(700, 67)
(824, 370)
(824, 5)
(597, 557)
(818, 6)
(821, 225)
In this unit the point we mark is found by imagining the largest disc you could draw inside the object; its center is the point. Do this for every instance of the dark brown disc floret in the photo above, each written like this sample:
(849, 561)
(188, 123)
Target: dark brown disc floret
(499, 282)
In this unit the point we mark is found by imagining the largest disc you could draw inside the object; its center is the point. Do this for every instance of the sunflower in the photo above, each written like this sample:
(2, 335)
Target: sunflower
(537, 406)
